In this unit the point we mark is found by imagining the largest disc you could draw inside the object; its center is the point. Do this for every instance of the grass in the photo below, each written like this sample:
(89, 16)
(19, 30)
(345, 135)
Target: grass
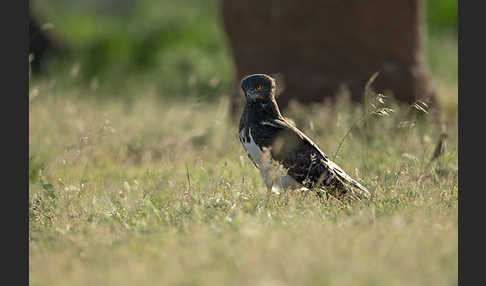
(159, 191)
(138, 177)
(160, 43)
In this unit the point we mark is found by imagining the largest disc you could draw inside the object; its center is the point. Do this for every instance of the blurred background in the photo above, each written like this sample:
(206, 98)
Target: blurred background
(182, 49)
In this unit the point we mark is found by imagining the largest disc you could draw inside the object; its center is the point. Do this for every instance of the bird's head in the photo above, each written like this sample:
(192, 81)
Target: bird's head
(258, 86)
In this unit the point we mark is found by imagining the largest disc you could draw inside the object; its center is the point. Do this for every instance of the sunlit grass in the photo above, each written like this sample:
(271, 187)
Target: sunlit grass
(156, 191)
(136, 179)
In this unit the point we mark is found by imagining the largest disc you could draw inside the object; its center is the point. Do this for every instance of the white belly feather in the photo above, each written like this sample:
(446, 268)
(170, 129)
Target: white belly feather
(256, 154)
(251, 147)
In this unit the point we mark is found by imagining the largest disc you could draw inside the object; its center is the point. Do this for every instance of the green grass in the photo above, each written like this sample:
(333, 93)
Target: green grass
(441, 15)
(159, 191)
(160, 43)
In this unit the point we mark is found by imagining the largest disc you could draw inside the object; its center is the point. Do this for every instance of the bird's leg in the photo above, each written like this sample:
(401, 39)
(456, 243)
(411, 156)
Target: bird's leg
(285, 186)
(289, 184)
(269, 191)
(268, 183)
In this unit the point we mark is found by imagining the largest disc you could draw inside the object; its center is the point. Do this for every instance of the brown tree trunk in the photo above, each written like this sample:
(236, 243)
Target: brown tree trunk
(320, 46)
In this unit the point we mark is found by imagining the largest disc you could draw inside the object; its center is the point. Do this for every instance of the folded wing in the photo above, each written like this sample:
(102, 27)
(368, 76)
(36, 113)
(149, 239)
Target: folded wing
(305, 162)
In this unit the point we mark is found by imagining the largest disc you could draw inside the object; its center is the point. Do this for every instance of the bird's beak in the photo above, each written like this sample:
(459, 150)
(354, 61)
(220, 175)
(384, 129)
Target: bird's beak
(252, 95)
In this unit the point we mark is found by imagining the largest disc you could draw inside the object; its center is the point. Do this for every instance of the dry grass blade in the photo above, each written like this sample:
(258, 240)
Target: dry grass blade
(376, 110)
(420, 106)
(370, 81)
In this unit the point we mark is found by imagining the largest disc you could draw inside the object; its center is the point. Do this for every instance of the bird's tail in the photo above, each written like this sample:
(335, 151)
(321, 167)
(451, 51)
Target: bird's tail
(343, 181)
(362, 190)
(345, 187)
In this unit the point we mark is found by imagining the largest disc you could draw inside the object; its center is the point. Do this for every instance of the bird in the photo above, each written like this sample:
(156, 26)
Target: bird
(265, 132)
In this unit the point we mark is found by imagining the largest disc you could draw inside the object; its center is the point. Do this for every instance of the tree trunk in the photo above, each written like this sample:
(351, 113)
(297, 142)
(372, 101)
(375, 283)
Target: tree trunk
(320, 46)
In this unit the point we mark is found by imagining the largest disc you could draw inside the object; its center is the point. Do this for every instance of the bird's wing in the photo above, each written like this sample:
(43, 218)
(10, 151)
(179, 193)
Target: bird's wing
(302, 157)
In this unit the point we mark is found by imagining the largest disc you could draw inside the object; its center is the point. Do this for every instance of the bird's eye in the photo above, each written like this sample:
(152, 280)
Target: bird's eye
(259, 87)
